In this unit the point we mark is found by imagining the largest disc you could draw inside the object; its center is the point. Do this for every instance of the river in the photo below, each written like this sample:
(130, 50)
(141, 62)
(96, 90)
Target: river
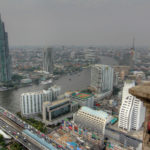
(11, 99)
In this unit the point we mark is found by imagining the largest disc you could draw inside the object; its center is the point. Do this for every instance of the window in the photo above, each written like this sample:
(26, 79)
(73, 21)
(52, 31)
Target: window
(27, 105)
(31, 104)
(60, 112)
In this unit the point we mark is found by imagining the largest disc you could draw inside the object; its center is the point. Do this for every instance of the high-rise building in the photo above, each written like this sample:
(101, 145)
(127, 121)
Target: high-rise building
(5, 58)
(102, 78)
(48, 60)
(31, 102)
(132, 111)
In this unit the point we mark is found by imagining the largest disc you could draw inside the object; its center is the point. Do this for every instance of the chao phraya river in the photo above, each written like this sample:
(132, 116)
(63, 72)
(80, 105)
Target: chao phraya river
(11, 99)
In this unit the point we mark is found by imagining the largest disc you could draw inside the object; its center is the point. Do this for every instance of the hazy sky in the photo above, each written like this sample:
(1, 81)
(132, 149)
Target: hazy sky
(76, 22)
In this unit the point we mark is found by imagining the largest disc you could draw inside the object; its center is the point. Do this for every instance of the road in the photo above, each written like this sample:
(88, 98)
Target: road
(22, 132)
(17, 135)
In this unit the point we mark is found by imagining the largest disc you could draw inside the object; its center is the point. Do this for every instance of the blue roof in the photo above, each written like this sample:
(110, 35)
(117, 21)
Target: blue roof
(72, 143)
(97, 113)
(40, 140)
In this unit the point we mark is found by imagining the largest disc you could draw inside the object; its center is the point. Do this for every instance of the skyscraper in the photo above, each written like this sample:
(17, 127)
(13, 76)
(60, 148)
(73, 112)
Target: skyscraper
(132, 111)
(102, 78)
(5, 58)
(48, 60)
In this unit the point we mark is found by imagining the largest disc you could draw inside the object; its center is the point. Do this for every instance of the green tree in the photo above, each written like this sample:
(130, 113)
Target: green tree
(1, 138)
(16, 146)
(16, 77)
(2, 142)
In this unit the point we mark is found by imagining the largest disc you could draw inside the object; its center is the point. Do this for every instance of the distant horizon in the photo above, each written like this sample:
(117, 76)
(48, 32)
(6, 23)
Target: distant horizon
(69, 22)
(84, 46)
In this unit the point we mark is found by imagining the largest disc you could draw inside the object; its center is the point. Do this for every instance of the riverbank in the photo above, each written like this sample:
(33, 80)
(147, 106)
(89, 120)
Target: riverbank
(11, 99)
(78, 81)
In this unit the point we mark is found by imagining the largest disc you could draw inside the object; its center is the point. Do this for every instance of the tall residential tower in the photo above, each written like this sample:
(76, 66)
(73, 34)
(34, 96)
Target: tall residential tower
(5, 58)
(102, 78)
(132, 110)
(48, 60)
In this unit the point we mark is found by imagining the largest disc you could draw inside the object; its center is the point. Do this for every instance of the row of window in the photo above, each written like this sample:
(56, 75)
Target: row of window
(32, 104)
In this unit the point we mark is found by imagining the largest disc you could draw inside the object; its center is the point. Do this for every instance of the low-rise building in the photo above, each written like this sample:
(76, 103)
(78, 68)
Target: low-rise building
(26, 81)
(93, 120)
(84, 99)
(54, 112)
(82, 133)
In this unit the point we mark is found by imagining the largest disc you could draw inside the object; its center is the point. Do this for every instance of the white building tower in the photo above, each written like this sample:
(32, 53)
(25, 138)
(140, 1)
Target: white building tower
(102, 78)
(132, 111)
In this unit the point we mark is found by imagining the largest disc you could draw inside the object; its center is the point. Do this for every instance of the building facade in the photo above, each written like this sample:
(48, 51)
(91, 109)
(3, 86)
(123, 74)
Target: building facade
(55, 112)
(102, 78)
(132, 111)
(5, 58)
(92, 120)
(122, 70)
(56, 90)
(48, 60)
(31, 103)
(116, 79)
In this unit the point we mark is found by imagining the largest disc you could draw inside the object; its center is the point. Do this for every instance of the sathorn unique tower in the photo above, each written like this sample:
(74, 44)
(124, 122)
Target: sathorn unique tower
(5, 58)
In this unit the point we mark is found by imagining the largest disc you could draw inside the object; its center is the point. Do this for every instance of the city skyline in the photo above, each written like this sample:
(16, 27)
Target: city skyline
(76, 23)
(74, 76)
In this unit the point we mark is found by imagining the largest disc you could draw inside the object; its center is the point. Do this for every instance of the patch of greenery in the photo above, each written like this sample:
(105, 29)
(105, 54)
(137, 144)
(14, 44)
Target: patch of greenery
(2, 142)
(36, 124)
(17, 77)
(16, 146)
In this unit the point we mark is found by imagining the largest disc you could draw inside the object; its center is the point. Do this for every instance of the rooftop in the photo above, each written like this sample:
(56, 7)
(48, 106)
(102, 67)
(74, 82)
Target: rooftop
(99, 65)
(55, 87)
(82, 95)
(59, 101)
(40, 140)
(97, 113)
(30, 93)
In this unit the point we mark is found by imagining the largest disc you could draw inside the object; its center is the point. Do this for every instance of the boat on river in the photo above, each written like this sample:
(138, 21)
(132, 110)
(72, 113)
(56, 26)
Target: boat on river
(46, 82)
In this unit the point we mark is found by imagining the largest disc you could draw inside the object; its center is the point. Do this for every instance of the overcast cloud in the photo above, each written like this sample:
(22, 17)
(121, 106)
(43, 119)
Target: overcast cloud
(76, 22)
